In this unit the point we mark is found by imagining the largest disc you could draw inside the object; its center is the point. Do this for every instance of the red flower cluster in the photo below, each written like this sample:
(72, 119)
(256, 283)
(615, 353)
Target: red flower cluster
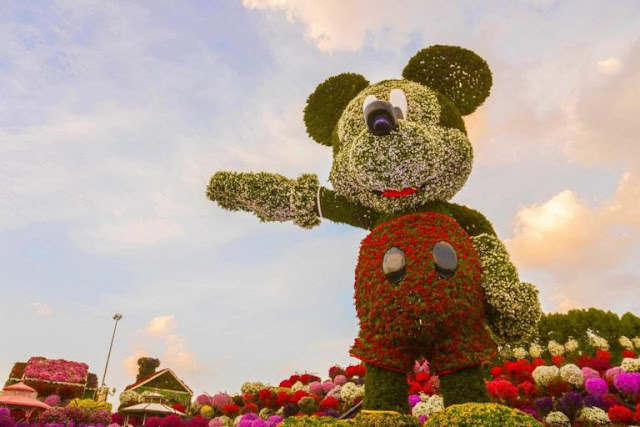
(502, 390)
(421, 383)
(513, 383)
(250, 407)
(355, 371)
(177, 407)
(620, 414)
(295, 398)
(599, 364)
(231, 410)
(329, 403)
(558, 360)
(303, 378)
(267, 399)
(283, 398)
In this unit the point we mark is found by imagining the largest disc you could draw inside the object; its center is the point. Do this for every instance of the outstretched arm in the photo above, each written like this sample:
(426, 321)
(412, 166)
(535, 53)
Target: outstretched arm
(273, 197)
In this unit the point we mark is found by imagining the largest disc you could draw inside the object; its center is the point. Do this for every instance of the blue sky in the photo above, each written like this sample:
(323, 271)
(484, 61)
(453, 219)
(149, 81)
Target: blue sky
(115, 114)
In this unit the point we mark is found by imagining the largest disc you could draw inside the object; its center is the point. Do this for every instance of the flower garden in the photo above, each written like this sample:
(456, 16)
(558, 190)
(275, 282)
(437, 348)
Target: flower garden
(588, 380)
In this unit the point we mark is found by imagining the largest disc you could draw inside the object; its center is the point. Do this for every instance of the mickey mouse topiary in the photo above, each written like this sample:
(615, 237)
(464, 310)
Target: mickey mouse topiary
(432, 279)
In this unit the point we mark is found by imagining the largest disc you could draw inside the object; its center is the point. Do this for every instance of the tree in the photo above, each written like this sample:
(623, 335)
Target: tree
(147, 367)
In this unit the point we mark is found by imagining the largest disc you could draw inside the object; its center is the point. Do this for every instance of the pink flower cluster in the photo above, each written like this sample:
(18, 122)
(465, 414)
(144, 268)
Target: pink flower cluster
(56, 370)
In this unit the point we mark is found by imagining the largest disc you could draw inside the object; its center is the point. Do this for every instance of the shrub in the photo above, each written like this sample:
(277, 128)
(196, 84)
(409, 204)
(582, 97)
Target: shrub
(308, 405)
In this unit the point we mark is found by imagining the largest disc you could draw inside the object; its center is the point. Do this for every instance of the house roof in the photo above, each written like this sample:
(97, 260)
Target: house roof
(156, 375)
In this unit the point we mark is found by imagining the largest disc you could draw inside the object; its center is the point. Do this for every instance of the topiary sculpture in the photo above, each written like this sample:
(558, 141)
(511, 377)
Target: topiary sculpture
(433, 279)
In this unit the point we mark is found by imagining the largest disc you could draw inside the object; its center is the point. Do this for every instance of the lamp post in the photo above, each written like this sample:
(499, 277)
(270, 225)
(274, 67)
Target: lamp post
(116, 317)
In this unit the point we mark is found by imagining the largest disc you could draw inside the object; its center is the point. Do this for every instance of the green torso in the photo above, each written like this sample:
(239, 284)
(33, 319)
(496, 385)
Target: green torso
(338, 209)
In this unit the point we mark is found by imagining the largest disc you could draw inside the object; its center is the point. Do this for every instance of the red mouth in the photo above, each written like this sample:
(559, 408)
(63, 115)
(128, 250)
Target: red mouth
(399, 193)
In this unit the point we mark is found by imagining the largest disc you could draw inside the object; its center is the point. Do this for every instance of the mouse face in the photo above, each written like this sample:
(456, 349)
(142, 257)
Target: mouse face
(399, 144)
(393, 163)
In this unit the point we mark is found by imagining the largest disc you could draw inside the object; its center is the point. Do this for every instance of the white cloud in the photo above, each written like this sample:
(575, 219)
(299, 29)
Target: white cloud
(161, 326)
(602, 116)
(40, 309)
(582, 247)
(174, 353)
(610, 65)
(336, 25)
(131, 362)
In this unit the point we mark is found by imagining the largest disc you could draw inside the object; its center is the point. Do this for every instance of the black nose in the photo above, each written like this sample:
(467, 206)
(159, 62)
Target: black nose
(381, 122)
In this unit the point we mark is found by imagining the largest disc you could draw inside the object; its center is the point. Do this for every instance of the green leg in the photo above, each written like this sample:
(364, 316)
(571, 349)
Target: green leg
(385, 390)
(463, 386)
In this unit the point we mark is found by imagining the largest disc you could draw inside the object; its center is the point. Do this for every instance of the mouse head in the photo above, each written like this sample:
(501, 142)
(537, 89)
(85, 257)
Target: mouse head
(398, 144)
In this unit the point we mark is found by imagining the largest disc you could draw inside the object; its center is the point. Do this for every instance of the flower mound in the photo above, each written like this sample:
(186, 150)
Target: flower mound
(481, 414)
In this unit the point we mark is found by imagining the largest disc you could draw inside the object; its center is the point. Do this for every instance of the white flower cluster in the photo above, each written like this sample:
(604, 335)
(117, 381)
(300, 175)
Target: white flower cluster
(428, 407)
(543, 375)
(505, 352)
(520, 353)
(555, 348)
(129, 397)
(630, 365)
(252, 387)
(636, 342)
(535, 350)
(271, 197)
(419, 154)
(350, 392)
(335, 392)
(514, 305)
(571, 345)
(557, 418)
(593, 416)
(572, 374)
(297, 386)
(599, 342)
(626, 343)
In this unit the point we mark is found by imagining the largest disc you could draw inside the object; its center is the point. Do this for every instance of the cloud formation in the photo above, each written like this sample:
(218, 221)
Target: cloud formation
(587, 247)
(160, 339)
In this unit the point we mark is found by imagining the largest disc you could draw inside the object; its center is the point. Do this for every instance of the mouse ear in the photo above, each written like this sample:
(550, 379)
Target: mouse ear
(326, 104)
(459, 74)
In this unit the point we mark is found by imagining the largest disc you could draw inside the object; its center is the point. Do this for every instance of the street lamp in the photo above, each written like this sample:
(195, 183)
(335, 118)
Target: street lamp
(116, 317)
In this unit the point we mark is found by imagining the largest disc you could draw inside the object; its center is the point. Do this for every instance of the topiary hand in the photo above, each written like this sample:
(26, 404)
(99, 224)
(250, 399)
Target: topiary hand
(271, 197)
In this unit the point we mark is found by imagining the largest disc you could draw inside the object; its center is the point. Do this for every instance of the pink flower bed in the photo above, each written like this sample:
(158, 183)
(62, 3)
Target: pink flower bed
(58, 370)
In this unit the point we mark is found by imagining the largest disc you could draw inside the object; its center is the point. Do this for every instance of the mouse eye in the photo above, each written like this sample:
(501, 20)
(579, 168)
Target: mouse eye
(399, 101)
(445, 259)
(394, 264)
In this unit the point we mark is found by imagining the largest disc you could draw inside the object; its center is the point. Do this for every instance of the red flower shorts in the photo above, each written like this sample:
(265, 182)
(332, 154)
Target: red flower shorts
(418, 293)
